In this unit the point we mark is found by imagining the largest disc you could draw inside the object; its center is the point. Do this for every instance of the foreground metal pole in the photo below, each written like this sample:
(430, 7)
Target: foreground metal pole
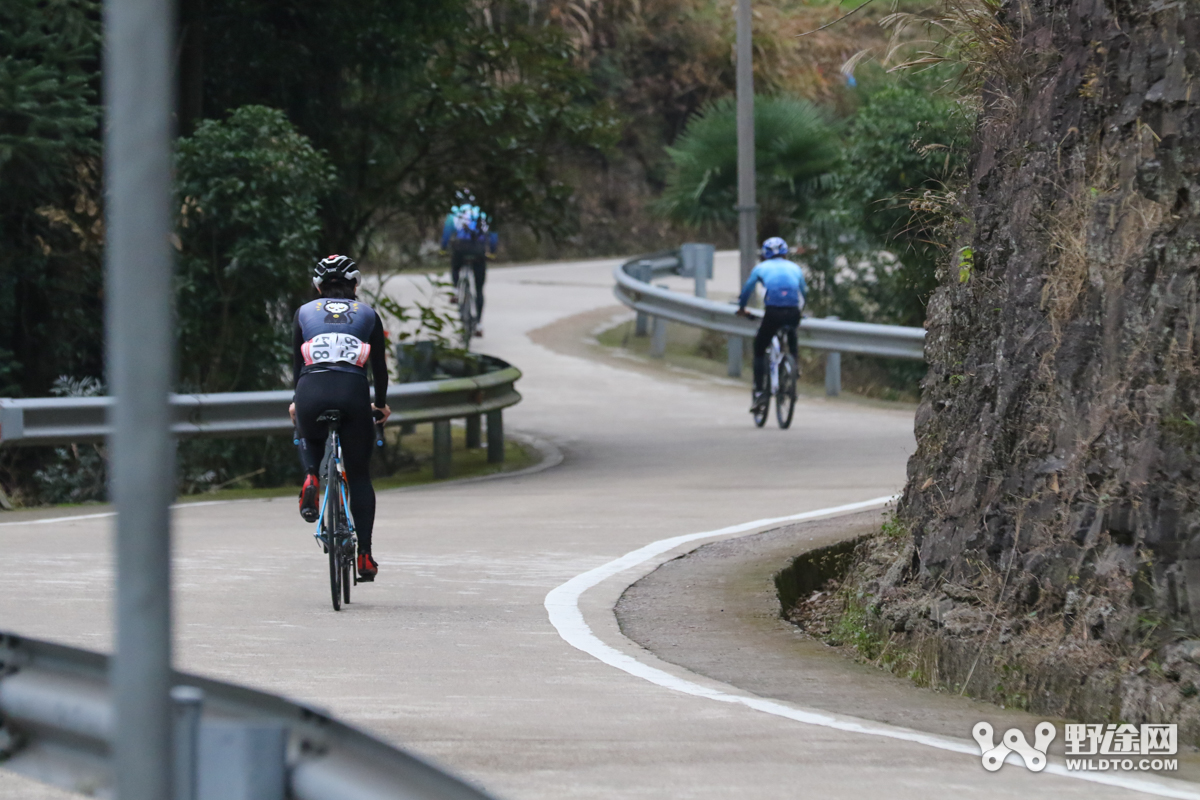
(747, 202)
(140, 345)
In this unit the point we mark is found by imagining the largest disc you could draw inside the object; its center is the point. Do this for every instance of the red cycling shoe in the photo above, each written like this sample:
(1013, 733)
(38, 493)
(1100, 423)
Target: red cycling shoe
(308, 499)
(367, 568)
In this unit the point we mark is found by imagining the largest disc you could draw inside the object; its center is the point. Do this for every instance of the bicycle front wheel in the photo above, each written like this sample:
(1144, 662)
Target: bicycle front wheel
(466, 310)
(334, 514)
(785, 398)
(760, 414)
(347, 565)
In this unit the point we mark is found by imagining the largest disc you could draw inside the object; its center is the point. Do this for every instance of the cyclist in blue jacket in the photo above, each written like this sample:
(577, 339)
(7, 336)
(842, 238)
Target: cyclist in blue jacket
(783, 281)
(467, 234)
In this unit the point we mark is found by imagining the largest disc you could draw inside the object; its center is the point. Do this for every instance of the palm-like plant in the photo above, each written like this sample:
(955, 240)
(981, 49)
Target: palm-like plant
(795, 145)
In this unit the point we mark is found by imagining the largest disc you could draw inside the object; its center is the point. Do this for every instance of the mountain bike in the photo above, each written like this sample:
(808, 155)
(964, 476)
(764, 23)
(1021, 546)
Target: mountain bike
(335, 525)
(782, 374)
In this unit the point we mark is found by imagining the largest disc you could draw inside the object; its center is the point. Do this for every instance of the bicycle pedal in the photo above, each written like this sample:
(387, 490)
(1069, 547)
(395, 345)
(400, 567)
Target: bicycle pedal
(366, 578)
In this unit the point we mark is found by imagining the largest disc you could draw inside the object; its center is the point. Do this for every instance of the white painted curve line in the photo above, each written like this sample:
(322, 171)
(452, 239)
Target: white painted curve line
(562, 606)
(103, 514)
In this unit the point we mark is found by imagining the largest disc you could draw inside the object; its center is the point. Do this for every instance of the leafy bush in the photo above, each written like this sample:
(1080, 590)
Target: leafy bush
(249, 190)
(794, 145)
(76, 473)
(880, 226)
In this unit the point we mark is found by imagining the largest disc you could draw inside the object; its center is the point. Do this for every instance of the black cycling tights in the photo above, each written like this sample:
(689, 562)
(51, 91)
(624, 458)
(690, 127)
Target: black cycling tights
(478, 263)
(774, 318)
(347, 392)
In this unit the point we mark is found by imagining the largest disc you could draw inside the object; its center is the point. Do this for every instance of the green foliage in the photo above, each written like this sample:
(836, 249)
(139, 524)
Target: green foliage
(248, 226)
(76, 473)
(892, 190)
(410, 100)
(50, 229)
(794, 146)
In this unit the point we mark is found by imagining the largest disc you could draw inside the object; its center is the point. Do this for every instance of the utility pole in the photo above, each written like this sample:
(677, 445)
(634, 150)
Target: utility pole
(747, 206)
(138, 91)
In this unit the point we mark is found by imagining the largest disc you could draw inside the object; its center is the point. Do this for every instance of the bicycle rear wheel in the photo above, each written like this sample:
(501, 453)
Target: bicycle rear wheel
(785, 398)
(347, 565)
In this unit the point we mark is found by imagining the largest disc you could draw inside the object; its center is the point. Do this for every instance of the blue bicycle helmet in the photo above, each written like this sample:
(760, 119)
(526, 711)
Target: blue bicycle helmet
(774, 248)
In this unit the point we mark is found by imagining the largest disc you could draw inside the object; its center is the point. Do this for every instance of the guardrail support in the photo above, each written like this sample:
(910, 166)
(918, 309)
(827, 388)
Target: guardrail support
(474, 431)
(495, 437)
(658, 341)
(242, 761)
(644, 273)
(189, 704)
(833, 374)
(734, 365)
(441, 448)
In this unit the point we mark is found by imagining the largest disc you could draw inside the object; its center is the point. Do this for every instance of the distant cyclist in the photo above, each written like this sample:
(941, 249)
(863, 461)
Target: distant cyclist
(467, 234)
(785, 288)
(332, 374)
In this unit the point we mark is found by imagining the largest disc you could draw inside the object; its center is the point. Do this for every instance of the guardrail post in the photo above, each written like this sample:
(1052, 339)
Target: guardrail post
(189, 704)
(474, 431)
(734, 366)
(696, 260)
(242, 761)
(658, 341)
(441, 448)
(495, 437)
(644, 273)
(833, 372)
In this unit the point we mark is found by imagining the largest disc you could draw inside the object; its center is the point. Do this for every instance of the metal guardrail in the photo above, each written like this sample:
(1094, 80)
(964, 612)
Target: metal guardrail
(634, 289)
(231, 743)
(39, 421)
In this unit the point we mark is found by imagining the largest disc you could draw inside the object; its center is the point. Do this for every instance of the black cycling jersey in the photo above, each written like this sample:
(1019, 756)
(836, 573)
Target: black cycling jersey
(328, 335)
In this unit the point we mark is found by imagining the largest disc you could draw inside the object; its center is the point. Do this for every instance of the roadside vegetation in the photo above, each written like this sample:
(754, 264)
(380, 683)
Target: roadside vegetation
(319, 127)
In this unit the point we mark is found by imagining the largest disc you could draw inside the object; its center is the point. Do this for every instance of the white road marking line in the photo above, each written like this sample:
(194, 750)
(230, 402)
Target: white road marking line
(103, 514)
(562, 606)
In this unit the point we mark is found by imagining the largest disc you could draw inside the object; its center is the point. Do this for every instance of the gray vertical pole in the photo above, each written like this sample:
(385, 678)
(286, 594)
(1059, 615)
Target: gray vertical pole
(833, 374)
(747, 202)
(833, 371)
(138, 73)
(441, 448)
(658, 336)
(474, 431)
(495, 437)
(734, 366)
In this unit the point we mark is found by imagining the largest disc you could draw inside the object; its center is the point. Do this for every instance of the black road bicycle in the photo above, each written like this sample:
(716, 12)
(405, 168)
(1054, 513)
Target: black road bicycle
(782, 374)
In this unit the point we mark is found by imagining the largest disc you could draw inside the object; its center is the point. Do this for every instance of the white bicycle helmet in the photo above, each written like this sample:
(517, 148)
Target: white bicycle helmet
(336, 267)
(774, 248)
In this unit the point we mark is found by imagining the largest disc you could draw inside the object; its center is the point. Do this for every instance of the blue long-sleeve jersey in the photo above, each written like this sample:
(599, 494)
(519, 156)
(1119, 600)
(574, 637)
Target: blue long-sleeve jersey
(448, 230)
(783, 280)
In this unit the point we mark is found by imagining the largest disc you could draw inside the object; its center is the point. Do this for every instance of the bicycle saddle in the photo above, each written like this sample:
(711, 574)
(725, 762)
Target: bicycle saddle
(332, 415)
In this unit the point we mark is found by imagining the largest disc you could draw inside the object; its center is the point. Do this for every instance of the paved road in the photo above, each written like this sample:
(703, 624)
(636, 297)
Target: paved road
(451, 653)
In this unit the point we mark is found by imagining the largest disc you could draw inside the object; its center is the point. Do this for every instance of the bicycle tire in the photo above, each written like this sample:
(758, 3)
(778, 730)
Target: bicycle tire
(785, 399)
(760, 414)
(466, 310)
(333, 525)
(347, 565)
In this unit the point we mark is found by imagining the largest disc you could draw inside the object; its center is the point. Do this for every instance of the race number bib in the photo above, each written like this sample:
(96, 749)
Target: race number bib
(333, 348)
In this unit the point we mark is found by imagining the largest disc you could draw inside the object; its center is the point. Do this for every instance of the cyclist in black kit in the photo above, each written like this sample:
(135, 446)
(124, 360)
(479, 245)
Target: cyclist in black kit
(333, 338)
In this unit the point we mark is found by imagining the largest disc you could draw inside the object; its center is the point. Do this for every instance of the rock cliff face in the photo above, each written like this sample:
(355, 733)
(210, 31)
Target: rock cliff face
(1055, 492)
